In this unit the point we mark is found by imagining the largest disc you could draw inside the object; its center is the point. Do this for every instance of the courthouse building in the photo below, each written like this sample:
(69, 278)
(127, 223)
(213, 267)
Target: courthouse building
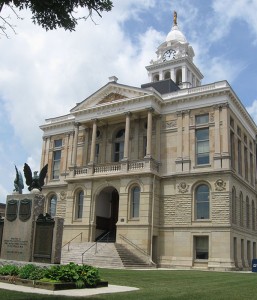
(169, 166)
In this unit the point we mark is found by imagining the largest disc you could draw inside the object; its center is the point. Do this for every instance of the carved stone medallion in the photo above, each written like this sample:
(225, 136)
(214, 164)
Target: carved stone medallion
(183, 187)
(220, 185)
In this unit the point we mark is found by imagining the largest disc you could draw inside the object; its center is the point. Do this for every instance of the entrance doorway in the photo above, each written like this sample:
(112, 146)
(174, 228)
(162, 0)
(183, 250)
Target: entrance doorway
(107, 211)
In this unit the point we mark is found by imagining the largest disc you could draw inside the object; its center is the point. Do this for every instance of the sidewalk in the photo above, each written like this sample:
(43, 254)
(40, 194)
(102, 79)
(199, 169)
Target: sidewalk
(70, 293)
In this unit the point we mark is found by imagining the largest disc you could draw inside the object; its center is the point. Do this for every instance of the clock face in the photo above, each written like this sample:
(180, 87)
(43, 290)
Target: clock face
(168, 55)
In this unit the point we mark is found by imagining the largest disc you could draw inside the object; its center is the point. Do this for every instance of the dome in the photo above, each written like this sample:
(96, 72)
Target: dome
(175, 35)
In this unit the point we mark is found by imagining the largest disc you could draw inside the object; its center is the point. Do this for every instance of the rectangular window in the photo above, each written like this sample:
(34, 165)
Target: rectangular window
(239, 151)
(251, 168)
(201, 247)
(202, 146)
(96, 153)
(202, 119)
(254, 249)
(232, 149)
(58, 143)
(56, 164)
(246, 162)
(235, 249)
(118, 151)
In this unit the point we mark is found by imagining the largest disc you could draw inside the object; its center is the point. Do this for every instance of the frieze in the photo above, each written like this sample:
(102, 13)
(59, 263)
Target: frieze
(183, 187)
(220, 185)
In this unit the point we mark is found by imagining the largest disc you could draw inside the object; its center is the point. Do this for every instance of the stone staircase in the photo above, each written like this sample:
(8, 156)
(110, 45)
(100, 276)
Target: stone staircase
(106, 255)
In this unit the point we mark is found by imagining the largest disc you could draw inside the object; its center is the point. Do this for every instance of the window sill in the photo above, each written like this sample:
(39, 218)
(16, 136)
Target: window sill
(202, 166)
(198, 260)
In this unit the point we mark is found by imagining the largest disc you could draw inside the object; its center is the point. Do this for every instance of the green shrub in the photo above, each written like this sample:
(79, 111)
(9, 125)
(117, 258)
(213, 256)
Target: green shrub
(11, 270)
(37, 274)
(26, 270)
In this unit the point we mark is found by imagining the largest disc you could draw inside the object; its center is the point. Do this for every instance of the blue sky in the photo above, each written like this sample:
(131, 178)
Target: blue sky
(43, 74)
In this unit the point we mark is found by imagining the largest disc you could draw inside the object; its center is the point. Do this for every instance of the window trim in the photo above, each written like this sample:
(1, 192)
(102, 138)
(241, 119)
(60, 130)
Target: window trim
(196, 203)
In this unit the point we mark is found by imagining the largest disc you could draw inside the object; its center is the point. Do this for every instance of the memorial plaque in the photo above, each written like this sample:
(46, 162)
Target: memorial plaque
(12, 210)
(43, 240)
(25, 210)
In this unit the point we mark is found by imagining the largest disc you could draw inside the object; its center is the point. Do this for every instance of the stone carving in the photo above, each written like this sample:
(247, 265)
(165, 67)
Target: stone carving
(211, 117)
(25, 209)
(12, 210)
(183, 187)
(18, 182)
(63, 195)
(220, 185)
(35, 182)
(169, 124)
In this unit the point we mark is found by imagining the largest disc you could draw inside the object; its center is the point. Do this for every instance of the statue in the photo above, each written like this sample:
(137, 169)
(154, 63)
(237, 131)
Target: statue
(175, 17)
(18, 182)
(35, 182)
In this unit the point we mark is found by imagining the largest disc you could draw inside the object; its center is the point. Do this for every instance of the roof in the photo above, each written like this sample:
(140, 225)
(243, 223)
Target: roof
(163, 86)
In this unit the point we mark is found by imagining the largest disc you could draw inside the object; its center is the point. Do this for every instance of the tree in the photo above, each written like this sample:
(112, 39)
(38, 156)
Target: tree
(51, 14)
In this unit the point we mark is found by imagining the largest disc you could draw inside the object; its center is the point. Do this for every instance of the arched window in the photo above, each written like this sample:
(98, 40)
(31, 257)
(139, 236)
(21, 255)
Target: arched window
(167, 75)
(247, 213)
(234, 205)
(253, 215)
(178, 76)
(202, 202)
(135, 202)
(156, 78)
(52, 205)
(119, 145)
(79, 204)
(241, 204)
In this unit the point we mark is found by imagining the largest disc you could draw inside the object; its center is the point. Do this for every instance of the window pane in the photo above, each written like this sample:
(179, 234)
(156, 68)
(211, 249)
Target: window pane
(57, 143)
(202, 119)
(202, 202)
(202, 146)
(135, 202)
(80, 199)
(202, 247)
(52, 206)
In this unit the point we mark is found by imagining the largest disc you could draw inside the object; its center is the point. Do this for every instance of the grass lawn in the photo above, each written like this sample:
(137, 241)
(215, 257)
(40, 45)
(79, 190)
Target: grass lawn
(167, 284)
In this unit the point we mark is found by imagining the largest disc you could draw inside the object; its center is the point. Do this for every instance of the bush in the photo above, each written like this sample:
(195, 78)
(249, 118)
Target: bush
(25, 271)
(81, 275)
(11, 270)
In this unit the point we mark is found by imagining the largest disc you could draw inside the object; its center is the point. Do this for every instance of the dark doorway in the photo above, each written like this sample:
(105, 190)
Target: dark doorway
(107, 211)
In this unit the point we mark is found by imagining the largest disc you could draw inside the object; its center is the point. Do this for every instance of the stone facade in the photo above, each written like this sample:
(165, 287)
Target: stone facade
(171, 171)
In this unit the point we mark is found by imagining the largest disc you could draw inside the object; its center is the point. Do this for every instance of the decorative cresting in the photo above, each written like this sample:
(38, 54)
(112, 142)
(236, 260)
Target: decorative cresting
(12, 210)
(220, 185)
(25, 209)
(183, 187)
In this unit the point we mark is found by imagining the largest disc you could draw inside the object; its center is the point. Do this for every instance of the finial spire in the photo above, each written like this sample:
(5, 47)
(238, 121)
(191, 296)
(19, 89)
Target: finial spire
(175, 17)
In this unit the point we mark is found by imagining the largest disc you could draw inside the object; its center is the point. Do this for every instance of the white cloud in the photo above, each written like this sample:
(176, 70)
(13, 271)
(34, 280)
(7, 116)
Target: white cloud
(253, 110)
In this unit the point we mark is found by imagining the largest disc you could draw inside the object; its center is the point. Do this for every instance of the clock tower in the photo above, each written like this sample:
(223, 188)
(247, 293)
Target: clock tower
(175, 60)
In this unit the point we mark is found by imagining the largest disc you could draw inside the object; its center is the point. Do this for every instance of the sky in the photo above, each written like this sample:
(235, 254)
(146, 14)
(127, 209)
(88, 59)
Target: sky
(44, 74)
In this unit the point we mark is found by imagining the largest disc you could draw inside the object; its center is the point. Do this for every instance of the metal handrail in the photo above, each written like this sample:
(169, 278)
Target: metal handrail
(68, 243)
(95, 244)
(137, 248)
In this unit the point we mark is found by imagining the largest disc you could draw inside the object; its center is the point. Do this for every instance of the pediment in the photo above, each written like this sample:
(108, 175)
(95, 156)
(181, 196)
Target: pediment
(111, 97)
(108, 94)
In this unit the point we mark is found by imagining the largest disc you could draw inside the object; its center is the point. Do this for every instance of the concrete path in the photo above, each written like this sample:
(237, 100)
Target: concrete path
(70, 293)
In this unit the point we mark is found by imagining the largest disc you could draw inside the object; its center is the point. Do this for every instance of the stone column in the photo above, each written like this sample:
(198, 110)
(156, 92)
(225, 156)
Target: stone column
(75, 144)
(217, 154)
(92, 153)
(225, 135)
(158, 138)
(85, 152)
(127, 133)
(179, 142)
(173, 75)
(149, 133)
(43, 159)
(66, 151)
(186, 141)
